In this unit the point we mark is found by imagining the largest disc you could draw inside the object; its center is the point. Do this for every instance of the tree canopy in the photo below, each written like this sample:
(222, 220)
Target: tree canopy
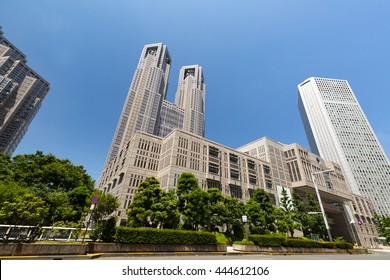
(152, 207)
(261, 212)
(58, 188)
(382, 224)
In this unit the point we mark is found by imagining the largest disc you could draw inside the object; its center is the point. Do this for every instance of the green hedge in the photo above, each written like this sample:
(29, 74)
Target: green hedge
(267, 240)
(163, 236)
(343, 245)
(304, 243)
(328, 245)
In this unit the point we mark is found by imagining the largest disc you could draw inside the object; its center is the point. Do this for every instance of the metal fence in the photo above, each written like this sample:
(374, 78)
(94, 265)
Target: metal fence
(31, 233)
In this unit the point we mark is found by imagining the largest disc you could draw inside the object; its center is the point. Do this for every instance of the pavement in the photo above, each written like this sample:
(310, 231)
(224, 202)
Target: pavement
(229, 251)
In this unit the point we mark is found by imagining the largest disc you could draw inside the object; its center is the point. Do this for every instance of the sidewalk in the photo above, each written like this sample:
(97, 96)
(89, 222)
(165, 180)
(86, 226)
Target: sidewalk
(229, 251)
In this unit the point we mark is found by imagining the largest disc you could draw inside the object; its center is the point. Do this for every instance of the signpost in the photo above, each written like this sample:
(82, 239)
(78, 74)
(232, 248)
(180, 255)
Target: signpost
(93, 205)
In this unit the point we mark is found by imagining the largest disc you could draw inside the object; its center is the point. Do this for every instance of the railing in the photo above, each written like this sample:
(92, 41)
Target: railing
(31, 233)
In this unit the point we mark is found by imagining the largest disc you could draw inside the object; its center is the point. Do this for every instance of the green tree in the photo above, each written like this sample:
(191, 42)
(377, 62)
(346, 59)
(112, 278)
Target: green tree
(45, 173)
(60, 209)
(315, 222)
(60, 184)
(186, 183)
(152, 207)
(167, 212)
(232, 216)
(261, 212)
(216, 208)
(26, 209)
(142, 211)
(6, 173)
(193, 203)
(105, 206)
(286, 220)
(79, 199)
(196, 212)
(382, 224)
(9, 192)
(102, 217)
(300, 214)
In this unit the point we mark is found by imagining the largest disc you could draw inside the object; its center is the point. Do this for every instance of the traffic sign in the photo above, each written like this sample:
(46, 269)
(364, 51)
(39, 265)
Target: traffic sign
(94, 199)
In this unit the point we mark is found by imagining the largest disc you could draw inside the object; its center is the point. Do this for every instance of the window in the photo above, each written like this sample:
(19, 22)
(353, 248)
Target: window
(267, 170)
(213, 184)
(251, 164)
(234, 174)
(121, 178)
(233, 158)
(213, 168)
(268, 184)
(235, 191)
(213, 152)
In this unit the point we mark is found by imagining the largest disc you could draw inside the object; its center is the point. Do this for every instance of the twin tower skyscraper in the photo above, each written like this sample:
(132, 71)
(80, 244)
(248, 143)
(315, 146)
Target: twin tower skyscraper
(146, 108)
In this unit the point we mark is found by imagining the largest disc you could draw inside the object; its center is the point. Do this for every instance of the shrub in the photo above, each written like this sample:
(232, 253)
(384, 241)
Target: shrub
(222, 239)
(304, 243)
(163, 236)
(343, 245)
(267, 240)
(232, 237)
(105, 230)
(108, 230)
(328, 245)
(244, 242)
(96, 233)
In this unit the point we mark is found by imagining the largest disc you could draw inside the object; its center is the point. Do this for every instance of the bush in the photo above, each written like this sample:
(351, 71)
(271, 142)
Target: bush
(96, 233)
(163, 236)
(232, 238)
(304, 243)
(244, 242)
(222, 239)
(108, 230)
(267, 240)
(328, 245)
(105, 230)
(343, 245)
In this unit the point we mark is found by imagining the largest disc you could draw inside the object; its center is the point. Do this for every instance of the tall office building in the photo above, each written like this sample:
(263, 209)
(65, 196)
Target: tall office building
(338, 130)
(144, 99)
(190, 97)
(146, 109)
(21, 92)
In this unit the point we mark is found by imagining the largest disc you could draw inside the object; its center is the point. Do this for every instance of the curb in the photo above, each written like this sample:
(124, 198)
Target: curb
(52, 257)
(145, 254)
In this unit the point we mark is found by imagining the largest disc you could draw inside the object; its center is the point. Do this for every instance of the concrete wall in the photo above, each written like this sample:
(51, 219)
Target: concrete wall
(296, 250)
(27, 249)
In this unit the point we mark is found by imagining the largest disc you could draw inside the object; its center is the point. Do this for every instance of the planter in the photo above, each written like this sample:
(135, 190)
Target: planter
(296, 250)
(30, 249)
(33, 249)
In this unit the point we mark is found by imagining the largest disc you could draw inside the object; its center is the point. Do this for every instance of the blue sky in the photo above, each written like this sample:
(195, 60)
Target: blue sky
(254, 54)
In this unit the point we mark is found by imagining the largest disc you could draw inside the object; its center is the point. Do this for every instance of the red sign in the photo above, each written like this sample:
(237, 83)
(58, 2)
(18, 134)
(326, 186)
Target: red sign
(94, 199)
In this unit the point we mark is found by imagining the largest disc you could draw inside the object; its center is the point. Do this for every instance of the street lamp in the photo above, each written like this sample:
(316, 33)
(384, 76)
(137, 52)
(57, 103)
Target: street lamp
(245, 221)
(320, 201)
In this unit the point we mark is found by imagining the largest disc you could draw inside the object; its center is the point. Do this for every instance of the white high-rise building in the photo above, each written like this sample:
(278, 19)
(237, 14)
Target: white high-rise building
(190, 96)
(144, 99)
(338, 130)
(146, 109)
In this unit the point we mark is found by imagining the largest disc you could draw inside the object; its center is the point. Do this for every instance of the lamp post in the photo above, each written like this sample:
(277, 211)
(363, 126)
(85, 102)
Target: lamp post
(320, 201)
(245, 221)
